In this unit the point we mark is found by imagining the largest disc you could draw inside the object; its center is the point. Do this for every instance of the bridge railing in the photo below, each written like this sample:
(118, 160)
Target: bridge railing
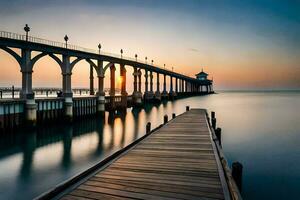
(16, 36)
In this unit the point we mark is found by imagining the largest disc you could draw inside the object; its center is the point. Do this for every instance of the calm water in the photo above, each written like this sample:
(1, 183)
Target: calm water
(261, 130)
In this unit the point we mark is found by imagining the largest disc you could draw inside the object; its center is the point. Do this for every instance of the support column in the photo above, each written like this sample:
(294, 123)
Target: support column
(148, 94)
(100, 94)
(92, 92)
(26, 69)
(151, 85)
(123, 85)
(67, 88)
(146, 84)
(180, 85)
(26, 92)
(157, 93)
(171, 93)
(140, 82)
(112, 91)
(186, 86)
(135, 77)
(176, 86)
(164, 93)
(137, 95)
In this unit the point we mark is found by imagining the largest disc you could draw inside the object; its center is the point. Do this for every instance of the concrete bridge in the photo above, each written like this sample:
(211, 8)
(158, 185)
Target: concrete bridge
(67, 56)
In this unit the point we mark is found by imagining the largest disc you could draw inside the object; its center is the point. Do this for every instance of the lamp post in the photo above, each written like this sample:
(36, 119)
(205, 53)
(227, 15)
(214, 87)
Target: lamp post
(172, 68)
(66, 38)
(99, 47)
(146, 59)
(121, 53)
(135, 57)
(164, 66)
(152, 62)
(26, 29)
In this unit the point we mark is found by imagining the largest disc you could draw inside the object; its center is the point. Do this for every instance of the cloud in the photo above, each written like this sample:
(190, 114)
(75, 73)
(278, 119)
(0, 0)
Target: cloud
(193, 50)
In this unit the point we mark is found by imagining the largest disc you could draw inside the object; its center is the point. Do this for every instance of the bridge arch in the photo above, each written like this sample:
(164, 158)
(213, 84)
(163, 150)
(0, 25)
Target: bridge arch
(12, 53)
(43, 54)
(107, 66)
(89, 61)
(84, 76)
(10, 70)
(46, 71)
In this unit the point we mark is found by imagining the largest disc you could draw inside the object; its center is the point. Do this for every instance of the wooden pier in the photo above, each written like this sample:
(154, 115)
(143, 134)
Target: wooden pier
(180, 160)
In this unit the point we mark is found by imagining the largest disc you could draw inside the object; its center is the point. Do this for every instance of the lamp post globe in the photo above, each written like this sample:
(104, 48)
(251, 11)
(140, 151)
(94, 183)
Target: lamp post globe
(121, 52)
(66, 38)
(99, 47)
(26, 29)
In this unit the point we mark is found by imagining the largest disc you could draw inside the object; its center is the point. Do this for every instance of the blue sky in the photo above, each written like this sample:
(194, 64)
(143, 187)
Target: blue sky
(243, 44)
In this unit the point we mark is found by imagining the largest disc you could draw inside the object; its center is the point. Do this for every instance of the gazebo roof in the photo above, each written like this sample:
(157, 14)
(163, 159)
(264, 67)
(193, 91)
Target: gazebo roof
(202, 73)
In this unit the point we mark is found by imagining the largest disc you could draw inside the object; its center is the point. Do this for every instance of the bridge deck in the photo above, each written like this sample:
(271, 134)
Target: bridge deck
(178, 161)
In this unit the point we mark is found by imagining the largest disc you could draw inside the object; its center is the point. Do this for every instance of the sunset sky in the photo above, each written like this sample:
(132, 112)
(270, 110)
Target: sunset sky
(242, 44)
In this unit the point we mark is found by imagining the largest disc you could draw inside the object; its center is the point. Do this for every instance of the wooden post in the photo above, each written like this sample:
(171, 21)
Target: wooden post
(173, 116)
(213, 114)
(165, 119)
(237, 172)
(213, 123)
(148, 127)
(218, 134)
(187, 108)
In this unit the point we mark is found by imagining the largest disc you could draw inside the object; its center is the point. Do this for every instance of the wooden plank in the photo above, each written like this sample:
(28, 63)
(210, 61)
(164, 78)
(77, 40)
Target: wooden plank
(176, 162)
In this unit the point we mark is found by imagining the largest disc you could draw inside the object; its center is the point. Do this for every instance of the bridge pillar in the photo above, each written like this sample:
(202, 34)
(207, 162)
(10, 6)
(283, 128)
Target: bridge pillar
(67, 88)
(171, 93)
(135, 76)
(157, 93)
(26, 92)
(92, 92)
(176, 86)
(123, 85)
(179, 87)
(26, 69)
(100, 94)
(112, 91)
(164, 93)
(151, 85)
(146, 85)
(136, 98)
(148, 94)
(140, 83)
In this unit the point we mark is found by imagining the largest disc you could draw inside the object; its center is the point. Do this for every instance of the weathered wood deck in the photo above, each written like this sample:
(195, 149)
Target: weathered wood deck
(178, 161)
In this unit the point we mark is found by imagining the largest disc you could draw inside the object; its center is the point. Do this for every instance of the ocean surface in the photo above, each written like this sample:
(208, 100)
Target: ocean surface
(259, 129)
